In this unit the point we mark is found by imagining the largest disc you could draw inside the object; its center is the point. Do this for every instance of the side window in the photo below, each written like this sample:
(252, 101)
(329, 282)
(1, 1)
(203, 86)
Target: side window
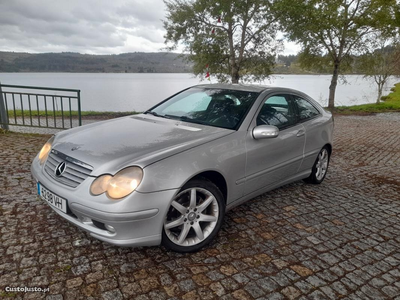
(277, 111)
(305, 108)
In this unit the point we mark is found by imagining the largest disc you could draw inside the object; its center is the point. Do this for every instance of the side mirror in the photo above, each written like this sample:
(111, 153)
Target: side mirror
(265, 132)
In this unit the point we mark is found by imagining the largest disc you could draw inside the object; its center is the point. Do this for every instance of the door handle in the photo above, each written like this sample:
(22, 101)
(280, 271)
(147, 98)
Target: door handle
(300, 133)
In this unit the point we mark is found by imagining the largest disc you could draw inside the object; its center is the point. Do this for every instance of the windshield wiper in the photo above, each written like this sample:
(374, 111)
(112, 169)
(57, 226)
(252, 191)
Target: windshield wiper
(180, 118)
(155, 114)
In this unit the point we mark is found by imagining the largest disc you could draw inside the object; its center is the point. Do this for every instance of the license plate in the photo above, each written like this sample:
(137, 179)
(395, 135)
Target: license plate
(51, 198)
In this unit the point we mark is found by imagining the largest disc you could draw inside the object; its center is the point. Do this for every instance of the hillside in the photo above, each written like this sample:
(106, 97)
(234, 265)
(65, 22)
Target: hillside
(137, 62)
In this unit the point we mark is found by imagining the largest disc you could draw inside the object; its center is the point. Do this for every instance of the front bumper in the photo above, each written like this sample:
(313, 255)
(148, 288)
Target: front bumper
(136, 220)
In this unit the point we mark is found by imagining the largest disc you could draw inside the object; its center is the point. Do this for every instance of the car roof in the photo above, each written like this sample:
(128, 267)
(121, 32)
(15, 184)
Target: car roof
(237, 87)
(247, 87)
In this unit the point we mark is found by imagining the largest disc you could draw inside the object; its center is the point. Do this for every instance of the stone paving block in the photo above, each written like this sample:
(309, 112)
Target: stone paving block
(372, 292)
(112, 295)
(315, 281)
(329, 292)
(267, 284)
(254, 290)
(378, 283)
(317, 295)
(391, 291)
(275, 296)
(187, 285)
(230, 284)
(241, 278)
(291, 292)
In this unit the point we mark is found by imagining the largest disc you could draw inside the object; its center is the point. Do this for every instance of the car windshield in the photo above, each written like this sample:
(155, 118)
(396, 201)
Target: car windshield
(215, 107)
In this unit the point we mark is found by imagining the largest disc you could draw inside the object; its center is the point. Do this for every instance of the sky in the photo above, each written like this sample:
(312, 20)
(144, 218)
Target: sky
(85, 26)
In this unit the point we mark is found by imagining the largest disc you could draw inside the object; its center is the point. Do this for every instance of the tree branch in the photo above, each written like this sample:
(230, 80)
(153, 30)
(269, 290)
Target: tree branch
(202, 20)
(361, 35)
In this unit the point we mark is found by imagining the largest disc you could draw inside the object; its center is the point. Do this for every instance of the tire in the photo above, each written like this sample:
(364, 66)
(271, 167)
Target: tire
(186, 228)
(320, 167)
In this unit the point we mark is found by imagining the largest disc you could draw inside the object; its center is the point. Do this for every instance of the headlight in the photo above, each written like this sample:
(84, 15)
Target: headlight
(44, 153)
(118, 186)
(100, 185)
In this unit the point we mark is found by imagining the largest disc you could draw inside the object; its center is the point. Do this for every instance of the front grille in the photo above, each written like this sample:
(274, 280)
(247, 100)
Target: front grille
(75, 171)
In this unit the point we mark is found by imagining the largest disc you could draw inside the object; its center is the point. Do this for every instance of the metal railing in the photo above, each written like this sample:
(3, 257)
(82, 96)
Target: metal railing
(51, 108)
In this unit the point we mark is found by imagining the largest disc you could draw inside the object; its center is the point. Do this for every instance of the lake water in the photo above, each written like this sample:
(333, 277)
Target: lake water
(127, 92)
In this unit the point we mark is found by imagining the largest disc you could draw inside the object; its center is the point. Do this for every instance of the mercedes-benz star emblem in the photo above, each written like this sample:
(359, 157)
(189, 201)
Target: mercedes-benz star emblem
(60, 168)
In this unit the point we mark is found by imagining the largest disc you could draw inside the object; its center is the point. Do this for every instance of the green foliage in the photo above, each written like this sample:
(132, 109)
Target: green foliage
(314, 61)
(382, 61)
(394, 96)
(383, 98)
(288, 59)
(243, 44)
(381, 64)
(331, 32)
(336, 28)
(320, 63)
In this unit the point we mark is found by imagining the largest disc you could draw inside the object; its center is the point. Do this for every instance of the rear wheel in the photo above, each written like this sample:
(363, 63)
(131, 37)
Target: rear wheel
(320, 167)
(194, 217)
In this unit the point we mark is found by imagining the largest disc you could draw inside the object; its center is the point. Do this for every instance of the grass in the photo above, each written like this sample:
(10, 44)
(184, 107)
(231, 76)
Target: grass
(7, 294)
(63, 269)
(390, 103)
(74, 113)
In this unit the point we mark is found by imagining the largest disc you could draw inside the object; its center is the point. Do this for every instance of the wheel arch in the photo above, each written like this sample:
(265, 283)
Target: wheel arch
(215, 177)
(329, 147)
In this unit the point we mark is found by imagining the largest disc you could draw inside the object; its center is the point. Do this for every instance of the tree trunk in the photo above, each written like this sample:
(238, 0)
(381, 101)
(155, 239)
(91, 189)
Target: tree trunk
(380, 89)
(232, 59)
(332, 87)
(235, 74)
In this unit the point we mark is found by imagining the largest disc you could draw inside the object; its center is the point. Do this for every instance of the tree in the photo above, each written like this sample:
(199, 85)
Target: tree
(381, 64)
(331, 31)
(235, 39)
(288, 59)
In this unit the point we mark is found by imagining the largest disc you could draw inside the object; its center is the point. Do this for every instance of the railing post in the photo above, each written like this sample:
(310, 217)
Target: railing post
(3, 112)
(79, 108)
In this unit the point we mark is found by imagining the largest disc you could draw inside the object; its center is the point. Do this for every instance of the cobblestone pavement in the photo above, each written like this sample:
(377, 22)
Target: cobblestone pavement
(338, 240)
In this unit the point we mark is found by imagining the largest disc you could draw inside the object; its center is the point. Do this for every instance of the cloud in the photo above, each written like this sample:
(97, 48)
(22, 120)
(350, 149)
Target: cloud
(85, 26)
(89, 26)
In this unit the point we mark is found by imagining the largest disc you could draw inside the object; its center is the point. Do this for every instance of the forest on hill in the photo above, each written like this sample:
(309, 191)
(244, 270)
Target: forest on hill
(136, 62)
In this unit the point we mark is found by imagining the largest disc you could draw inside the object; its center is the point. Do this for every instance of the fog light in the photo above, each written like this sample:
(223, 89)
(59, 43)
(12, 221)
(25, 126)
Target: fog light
(110, 228)
(86, 220)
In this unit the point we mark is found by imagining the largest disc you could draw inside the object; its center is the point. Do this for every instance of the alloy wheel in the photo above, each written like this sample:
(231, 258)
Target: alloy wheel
(322, 164)
(192, 217)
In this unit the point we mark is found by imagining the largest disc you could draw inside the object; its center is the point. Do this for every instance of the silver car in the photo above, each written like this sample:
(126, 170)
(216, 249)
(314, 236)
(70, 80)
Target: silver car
(169, 175)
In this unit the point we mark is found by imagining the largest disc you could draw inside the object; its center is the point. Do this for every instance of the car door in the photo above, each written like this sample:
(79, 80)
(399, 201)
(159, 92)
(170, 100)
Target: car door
(272, 160)
(310, 118)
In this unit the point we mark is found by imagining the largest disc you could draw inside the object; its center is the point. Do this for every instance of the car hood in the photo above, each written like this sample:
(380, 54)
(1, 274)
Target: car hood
(139, 140)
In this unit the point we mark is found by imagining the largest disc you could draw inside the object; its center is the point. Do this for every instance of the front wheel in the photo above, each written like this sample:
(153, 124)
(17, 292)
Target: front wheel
(320, 167)
(194, 217)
